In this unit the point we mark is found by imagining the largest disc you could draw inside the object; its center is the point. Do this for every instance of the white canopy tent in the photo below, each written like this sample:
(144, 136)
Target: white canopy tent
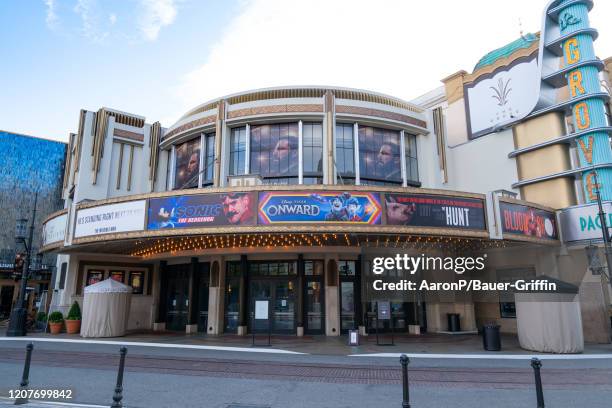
(106, 307)
(550, 322)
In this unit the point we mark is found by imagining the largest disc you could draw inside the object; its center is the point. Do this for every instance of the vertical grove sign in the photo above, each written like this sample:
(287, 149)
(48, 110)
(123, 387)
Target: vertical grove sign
(588, 113)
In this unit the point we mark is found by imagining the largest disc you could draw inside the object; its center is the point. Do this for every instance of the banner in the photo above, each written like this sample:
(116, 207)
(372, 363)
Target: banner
(583, 223)
(203, 210)
(54, 230)
(421, 210)
(111, 218)
(324, 206)
(528, 221)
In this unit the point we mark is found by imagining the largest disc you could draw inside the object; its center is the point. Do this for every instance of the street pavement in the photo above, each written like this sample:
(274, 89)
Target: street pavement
(169, 377)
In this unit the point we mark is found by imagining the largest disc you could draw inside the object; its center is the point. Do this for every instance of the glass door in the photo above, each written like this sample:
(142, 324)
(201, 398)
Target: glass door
(232, 297)
(347, 272)
(260, 290)
(178, 298)
(314, 307)
(347, 306)
(283, 309)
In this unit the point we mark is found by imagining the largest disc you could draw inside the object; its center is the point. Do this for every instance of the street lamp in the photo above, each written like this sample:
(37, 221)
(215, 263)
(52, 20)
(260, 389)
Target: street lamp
(604, 231)
(17, 324)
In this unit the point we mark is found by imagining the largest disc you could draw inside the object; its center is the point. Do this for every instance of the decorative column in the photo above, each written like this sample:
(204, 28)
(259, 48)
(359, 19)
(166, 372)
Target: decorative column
(216, 297)
(588, 113)
(219, 136)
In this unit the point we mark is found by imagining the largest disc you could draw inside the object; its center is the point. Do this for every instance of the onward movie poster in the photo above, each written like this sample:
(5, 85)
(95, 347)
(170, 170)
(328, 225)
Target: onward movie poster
(203, 210)
(328, 206)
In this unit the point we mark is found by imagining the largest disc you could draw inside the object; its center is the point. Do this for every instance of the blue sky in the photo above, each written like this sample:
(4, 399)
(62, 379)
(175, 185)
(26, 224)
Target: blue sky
(159, 58)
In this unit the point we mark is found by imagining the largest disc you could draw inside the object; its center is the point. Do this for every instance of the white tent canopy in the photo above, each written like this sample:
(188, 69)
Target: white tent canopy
(550, 322)
(106, 306)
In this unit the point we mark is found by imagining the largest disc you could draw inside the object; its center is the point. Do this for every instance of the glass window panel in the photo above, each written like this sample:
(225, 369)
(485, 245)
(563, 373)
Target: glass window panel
(237, 150)
(379, 152)
(274, 150)
(273, 269)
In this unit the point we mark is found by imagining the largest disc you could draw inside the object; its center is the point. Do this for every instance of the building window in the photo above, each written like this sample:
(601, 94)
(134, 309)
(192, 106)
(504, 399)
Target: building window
(379, 156)
(507, 310)
(412, 166)
(258, 269)
(208, 170)
(237, 151)
(345, 153)
(187, 165)
(312, 153)
(346, 268)
(63, 270)
(274, 153)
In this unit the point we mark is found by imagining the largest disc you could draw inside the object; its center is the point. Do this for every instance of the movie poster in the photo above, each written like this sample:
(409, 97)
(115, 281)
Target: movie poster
(421, 210)
(203, 210)
(379, 154)
(528, 221)
(274, 150)
(187, 165)
(320, 207)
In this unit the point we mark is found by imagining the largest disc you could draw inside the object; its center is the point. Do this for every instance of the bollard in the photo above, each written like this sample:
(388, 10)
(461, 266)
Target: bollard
(537, 364)
(25, 377)
(118, 395)
(406, 400)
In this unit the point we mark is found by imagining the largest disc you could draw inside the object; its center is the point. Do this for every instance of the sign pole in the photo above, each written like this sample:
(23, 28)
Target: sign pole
(604, 230)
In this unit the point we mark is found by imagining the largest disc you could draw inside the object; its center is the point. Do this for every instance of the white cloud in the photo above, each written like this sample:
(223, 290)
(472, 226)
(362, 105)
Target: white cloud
(398, 47)
(112, 18)
(51, 18)
(88, 11)
(156, 14)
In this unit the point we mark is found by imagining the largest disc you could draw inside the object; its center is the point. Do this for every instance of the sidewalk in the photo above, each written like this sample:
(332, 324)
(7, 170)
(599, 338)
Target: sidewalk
(460, 344)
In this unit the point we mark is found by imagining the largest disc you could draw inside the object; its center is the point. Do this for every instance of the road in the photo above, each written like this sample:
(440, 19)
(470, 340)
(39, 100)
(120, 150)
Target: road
(203, 378)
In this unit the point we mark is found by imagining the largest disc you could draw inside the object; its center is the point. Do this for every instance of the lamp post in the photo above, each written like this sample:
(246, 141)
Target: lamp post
(17, 324)
(604, 230)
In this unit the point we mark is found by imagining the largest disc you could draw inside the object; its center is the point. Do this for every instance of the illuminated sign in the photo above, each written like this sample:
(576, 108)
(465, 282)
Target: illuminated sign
(202, 210)
(588, 113)
(109, 219)
(54, 230)
(319, 207)
(583, 223)
(528, 221)
(421, 210)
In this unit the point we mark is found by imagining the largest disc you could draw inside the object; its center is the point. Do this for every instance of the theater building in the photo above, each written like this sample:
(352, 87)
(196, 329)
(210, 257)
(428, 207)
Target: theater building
(289, 194)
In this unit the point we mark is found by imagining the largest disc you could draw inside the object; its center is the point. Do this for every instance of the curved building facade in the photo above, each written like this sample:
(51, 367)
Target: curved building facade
(293, 195)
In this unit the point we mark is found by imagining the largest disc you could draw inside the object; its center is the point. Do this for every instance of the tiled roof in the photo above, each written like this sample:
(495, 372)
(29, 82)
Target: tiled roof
(503, 52)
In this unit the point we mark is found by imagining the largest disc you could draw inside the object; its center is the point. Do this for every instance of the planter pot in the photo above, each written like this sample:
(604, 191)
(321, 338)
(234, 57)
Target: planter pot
(55, 328)
(73, 326)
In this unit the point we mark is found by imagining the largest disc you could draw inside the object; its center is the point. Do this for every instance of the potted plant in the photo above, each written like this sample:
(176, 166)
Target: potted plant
(56, 320)
(73, 320)
(41, 320)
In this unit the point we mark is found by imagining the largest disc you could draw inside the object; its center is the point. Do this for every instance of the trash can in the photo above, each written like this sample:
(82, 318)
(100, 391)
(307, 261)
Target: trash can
(491, 340)
(454, 324)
